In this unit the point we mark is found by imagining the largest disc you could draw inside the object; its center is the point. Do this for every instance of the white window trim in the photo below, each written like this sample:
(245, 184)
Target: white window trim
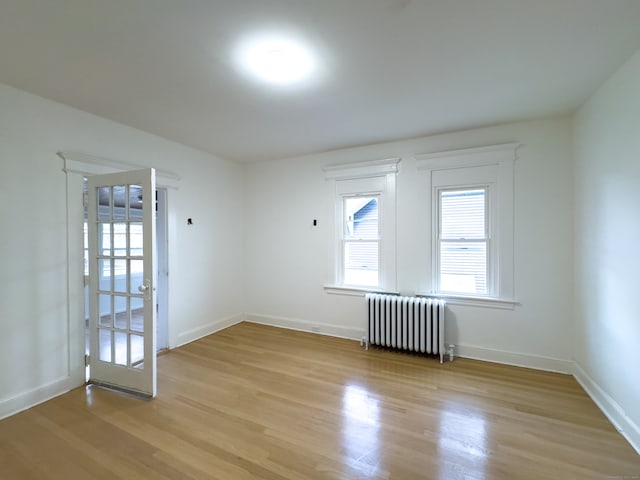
(503, 157)
(370, 168)
(355, 291)
(386, 170)
(471, 301)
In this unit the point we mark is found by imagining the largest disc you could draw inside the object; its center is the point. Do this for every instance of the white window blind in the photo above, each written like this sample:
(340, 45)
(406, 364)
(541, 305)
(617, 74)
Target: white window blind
(463, 240)
(472, 220)
(361, 241)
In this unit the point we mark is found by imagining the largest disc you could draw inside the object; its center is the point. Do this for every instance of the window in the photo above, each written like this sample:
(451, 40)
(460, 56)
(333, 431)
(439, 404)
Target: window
(471, 239)
(361, 241)
(363, 205)
(463, 241)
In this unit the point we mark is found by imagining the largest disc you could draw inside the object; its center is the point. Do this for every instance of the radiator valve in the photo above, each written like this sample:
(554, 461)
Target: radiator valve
(450, 351)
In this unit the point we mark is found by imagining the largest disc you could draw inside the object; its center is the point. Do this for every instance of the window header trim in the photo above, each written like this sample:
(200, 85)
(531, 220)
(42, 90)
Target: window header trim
(371, 168)
(468, 157)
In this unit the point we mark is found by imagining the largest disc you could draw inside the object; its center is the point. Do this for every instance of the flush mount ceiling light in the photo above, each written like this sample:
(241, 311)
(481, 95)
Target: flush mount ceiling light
(276, 60)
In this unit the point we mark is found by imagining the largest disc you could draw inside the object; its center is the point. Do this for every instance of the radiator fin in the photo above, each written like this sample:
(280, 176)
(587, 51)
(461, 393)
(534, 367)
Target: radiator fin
(408, 323)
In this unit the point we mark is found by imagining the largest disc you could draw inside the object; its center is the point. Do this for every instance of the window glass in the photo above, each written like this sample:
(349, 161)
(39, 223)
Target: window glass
(462, 213)
(361, 263)
(361, 237)
(361, 215)
(463, 241)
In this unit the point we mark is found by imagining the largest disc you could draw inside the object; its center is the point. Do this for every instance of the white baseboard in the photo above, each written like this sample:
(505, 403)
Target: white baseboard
(616, 415)
(536, 362)
(193, 334)
(306, 326)
(31, 398)
(478, 353)
(612, 409)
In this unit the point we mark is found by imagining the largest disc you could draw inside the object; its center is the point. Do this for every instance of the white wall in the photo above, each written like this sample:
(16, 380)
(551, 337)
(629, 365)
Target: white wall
(607, 238)
(36, 336)
(288, 257)
(253, 247)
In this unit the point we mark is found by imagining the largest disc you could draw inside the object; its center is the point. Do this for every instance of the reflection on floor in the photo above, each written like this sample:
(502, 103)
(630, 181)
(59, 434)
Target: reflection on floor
(257, 402)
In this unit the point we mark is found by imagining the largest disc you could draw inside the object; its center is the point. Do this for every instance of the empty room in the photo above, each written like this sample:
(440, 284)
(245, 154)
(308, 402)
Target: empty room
(338, 239)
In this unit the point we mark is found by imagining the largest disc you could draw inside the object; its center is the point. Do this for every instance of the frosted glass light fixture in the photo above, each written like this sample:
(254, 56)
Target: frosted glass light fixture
(276, 60)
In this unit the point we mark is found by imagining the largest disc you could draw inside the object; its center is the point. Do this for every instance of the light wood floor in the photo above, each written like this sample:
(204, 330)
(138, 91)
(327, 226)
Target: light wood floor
(259, 402)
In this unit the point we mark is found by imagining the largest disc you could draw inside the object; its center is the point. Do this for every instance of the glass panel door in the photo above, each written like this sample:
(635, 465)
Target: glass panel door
(122, 277)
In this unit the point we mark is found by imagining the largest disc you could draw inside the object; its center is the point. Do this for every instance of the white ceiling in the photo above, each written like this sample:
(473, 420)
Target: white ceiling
(390, 69)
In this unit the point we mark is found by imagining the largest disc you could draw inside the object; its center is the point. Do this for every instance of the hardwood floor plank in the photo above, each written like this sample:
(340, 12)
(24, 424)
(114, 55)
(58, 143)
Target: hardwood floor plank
(259, 402)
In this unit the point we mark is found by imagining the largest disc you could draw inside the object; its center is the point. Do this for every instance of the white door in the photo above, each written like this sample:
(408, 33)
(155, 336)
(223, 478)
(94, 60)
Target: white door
(122, 275)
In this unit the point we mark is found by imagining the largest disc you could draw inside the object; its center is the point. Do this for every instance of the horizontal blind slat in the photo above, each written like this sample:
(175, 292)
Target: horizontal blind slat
(463, 264)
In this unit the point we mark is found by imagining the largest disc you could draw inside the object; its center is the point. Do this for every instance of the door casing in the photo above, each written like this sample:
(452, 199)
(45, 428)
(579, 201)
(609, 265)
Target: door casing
(77, 166)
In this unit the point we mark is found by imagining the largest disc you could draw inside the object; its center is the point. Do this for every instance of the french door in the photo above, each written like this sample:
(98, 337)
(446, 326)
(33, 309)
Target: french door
(122, 275)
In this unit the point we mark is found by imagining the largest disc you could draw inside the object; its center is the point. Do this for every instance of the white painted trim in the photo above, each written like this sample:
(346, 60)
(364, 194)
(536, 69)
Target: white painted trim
(75, 280)
(84, 164)
(31, 398)
(76, 166)
(493, 165)
(172, 242)
(372, 168)
(467, 157)
(609, 407)
(306, 326)
(612, 409)
(537, 362)
(354, 291)
(376, 177)
(197, 333)
(486, 302)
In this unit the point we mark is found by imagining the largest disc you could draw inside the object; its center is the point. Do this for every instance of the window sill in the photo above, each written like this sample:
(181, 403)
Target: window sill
(470, 301)
(354, 291)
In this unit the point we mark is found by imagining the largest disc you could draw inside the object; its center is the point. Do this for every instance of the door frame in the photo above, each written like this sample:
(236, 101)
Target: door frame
(77, 166)
(162, 257)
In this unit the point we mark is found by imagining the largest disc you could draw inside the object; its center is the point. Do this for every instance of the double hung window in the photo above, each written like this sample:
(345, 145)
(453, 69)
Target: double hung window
(361, 241)
(463, 240)
(364, 206)
(471, 222)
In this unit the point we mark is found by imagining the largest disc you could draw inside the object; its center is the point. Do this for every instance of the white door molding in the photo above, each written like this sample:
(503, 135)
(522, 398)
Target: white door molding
(84, 164)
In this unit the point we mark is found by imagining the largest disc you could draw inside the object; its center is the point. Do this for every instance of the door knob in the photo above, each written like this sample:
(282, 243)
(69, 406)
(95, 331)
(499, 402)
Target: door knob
(145, 288)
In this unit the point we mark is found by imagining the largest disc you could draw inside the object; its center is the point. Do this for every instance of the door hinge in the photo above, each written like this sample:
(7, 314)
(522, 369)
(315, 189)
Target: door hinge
(86, 360)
